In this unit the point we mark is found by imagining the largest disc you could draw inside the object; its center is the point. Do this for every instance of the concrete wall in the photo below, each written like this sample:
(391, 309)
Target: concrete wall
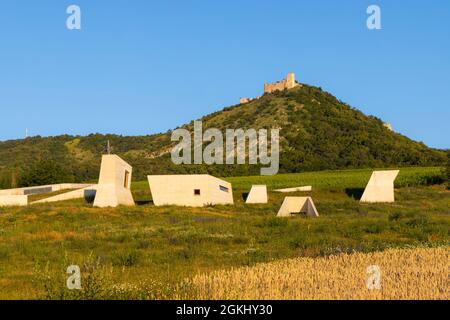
(180, 190)
(87, 193)
(43, 189)
(13, 200)
(113, 187)
(247, 100)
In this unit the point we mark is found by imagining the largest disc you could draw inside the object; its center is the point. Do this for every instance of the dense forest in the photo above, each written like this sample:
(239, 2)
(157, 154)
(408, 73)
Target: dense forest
(317, 131)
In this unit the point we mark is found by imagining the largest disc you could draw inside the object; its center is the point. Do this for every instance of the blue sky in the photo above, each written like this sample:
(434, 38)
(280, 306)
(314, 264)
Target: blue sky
(142, 67)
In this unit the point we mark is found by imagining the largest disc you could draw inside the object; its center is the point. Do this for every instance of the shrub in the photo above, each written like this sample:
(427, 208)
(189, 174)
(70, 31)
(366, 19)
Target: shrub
(45, 172)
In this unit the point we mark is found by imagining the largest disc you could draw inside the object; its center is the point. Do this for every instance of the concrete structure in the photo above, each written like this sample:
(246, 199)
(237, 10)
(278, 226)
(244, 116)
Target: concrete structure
(189, 190)
(296, 189)
(43, 189)
(380, 187)
(284, 84)
(114, 184)
(298, 205)
(13, 200)
(388, 126)
(247, 100)
(257, 194)
(87, 193)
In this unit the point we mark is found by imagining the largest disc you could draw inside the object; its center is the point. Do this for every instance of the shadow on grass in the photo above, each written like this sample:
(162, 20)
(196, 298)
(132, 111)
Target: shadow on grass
(143, 202)
(355, 193)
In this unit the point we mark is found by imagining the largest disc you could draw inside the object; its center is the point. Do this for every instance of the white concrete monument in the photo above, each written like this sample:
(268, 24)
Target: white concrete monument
(298, 205)
(380, 187)
(196, 190)
(257, 194)
(88, 193)
(13, 200)
(43, 189)
(114, 184)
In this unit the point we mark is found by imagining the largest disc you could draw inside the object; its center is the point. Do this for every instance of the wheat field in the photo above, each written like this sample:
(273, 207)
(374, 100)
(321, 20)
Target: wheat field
(421, 273)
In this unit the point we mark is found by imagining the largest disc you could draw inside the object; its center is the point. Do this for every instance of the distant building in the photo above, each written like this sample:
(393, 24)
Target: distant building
(284, 84)
(281, 85)
(245, 100)
(388, 126)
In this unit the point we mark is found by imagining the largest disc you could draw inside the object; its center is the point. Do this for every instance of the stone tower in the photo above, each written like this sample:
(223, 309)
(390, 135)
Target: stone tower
(284, 84)
(290, 80)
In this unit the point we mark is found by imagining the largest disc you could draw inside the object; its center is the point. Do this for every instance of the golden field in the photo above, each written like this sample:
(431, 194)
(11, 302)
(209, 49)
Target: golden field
(421, 273)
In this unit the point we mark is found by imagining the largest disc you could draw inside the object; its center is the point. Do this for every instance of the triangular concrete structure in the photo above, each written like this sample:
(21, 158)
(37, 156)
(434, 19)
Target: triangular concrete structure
(257, 194)
(380, 187)
(298, 205)
(114, 184)
(87, 193)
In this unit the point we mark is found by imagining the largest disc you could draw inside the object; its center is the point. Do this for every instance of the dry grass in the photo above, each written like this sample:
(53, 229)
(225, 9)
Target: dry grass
(421, 273)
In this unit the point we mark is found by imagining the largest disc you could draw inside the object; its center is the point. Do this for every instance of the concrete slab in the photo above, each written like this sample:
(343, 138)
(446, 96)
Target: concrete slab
(380, 187)
(296, 189)
(87, 193)
(13, 200)
(257, 194)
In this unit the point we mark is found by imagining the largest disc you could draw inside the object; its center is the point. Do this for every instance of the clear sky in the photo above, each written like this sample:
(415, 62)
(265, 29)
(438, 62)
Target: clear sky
(141, 67)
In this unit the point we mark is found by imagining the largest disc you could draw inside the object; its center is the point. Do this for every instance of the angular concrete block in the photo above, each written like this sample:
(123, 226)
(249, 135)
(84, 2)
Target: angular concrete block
(196, 190)
(257, 194)
(298, 205)
(13, 200)
(114, 184)
(380, 187)
(43, 189)
(87, 193)
(296, 189)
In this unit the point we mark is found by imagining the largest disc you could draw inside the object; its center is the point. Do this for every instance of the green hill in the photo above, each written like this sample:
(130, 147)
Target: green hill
(318, 132)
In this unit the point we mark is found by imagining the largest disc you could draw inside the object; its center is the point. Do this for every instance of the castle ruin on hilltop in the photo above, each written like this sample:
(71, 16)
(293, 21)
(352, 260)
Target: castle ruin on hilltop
(281, 85)
(284, 84)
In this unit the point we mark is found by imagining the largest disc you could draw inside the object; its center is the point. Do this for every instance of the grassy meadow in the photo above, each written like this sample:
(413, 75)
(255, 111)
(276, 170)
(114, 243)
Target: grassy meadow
(145, 252)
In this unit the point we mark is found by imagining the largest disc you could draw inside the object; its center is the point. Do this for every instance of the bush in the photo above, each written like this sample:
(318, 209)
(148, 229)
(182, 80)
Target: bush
(45, 172)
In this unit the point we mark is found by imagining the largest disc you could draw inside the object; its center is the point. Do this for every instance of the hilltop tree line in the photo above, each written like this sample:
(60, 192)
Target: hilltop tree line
(318, 132)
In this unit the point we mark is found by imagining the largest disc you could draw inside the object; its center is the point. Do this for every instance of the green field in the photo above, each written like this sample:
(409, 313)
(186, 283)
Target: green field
(146, 252)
